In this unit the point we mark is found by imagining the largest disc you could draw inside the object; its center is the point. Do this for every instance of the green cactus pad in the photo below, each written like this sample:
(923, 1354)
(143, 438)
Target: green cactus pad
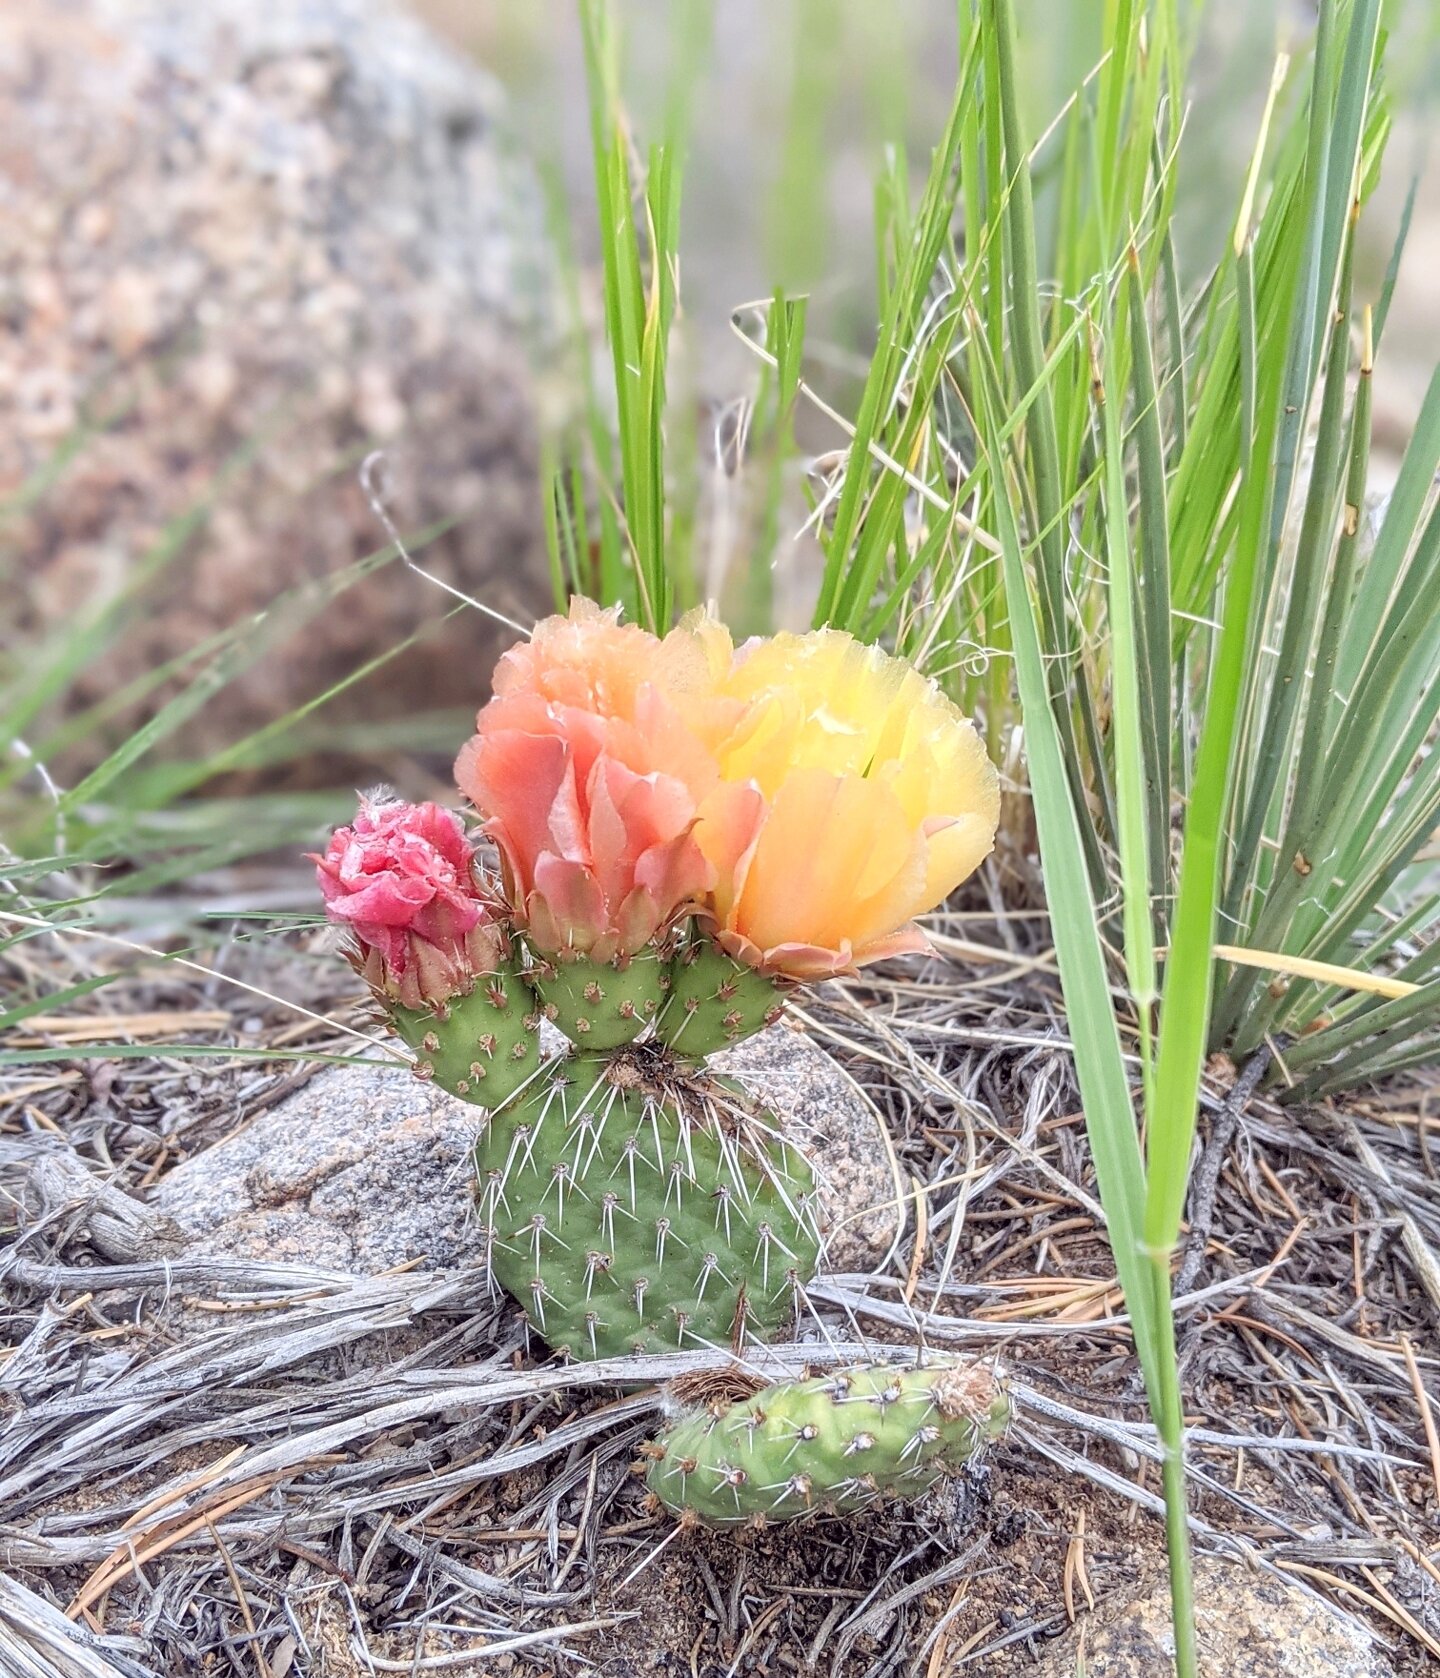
(602, 1005)
(629, 1209)
(715, 1001)
(832, 1445)
(482, 1047)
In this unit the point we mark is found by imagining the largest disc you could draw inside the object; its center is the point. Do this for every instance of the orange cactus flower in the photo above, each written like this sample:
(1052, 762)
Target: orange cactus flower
(590, 777)
(878, 800)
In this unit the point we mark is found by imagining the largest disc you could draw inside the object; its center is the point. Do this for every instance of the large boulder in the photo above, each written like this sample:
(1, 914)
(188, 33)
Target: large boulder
(364, 1168)
(253, 242)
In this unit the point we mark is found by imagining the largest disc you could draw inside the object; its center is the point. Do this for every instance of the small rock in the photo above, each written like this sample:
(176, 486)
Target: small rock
(1249, 1625)
(361, 1169)
(366, 1167)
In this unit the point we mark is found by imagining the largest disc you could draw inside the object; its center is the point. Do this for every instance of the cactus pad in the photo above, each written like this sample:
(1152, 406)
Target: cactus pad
(831, 1445)
(483, 1046)
(602, 1004)
(715, 1001)
(629, 1207)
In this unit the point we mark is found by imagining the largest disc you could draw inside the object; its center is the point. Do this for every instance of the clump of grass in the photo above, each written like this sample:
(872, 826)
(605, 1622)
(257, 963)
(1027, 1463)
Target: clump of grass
(1144, 508)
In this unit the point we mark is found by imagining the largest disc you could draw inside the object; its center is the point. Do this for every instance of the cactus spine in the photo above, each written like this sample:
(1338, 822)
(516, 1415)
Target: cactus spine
(629, 1208)
(831, 1445)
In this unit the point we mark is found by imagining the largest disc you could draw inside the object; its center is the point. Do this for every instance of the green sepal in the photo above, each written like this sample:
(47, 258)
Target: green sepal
(628, 1209)
(715, 1001)
(831, 1445)
(483, 1046)
(602, 1004)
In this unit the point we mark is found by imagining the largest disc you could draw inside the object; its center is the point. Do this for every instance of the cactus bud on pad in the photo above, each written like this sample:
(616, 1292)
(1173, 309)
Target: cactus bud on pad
(831, 1445)
(629, 1208)
(715, 1000)
(430, 939)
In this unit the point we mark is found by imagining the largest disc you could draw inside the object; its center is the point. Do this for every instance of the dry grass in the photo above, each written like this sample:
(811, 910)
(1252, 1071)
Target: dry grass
(270, 1470)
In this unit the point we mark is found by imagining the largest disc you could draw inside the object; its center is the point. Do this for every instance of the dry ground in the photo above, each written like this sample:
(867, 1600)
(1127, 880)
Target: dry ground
(264, 1471)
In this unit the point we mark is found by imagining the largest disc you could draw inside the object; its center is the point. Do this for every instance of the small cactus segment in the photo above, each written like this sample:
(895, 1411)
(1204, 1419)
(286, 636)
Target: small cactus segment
(602, 1004)
(483, 1046)
(831, 1445)
(715, 1001)
(629, 1215)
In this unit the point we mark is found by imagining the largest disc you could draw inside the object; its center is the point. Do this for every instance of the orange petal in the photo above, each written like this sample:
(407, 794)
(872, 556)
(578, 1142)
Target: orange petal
(728, 825)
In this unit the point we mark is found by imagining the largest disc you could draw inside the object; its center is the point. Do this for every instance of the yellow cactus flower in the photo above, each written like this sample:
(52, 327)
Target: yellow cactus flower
(878, 800)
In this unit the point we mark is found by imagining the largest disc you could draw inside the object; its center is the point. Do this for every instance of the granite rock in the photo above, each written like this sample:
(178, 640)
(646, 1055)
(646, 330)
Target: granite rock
(1249, 1625)
(251, 243)
(365, 1167)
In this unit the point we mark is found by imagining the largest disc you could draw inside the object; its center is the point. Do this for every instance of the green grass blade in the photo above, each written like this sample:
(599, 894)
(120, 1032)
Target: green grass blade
(1413, 488)
(1397, 250)
(1305, 601)
(1154, 582)
(1129, 726)
(839, 600)
(1185, 1007)
(1099, 1060)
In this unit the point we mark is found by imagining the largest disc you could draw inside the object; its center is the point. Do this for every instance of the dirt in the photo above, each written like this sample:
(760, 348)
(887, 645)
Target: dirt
(815, 1598)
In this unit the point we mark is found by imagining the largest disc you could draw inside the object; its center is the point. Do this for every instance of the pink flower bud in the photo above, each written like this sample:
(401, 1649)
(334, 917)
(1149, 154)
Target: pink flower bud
(402, 881)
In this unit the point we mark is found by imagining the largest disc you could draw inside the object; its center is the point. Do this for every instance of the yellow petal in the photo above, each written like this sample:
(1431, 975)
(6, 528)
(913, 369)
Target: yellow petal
(879, 796)
(829, 843)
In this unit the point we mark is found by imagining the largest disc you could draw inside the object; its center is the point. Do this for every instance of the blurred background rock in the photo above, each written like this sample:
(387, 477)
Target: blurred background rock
(246, 244)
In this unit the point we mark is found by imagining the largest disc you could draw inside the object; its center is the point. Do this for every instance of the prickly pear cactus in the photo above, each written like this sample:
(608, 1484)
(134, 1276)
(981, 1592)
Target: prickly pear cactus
(831, 1445)
(714, 1001)
(629, 1207)
(603, 1004)
(484, 1046)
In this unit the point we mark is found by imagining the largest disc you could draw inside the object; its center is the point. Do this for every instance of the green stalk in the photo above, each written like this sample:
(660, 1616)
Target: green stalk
(1042, 443)
(1188, 970)
(1099, 1061)
(1154, 587)
(1187, 989)
(1170, 1424)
